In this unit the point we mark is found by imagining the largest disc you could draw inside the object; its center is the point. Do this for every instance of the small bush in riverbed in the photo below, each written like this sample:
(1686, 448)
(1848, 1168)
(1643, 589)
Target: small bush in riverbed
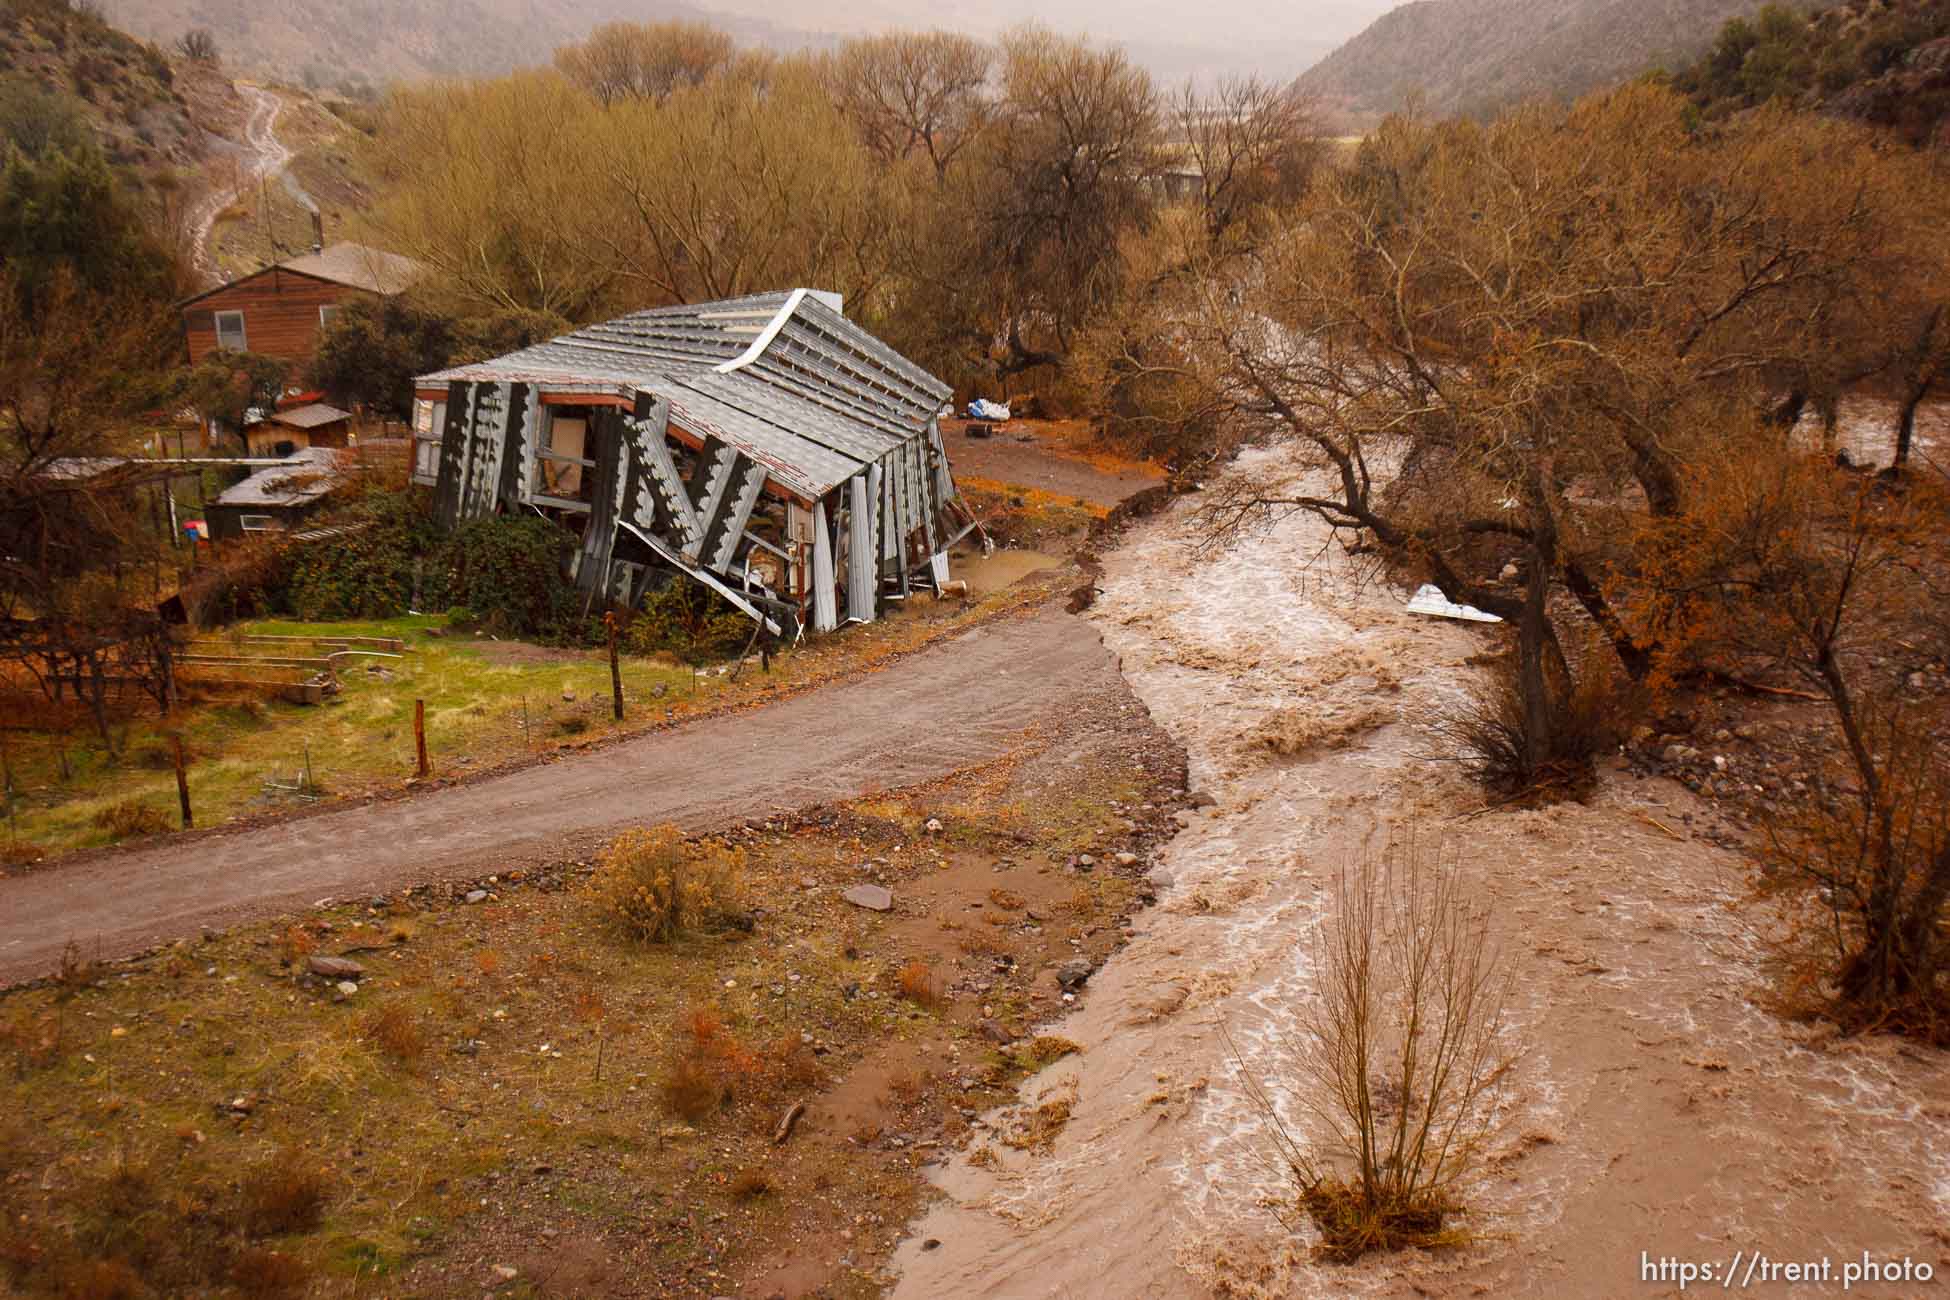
(654, 885)
(1401, 1060)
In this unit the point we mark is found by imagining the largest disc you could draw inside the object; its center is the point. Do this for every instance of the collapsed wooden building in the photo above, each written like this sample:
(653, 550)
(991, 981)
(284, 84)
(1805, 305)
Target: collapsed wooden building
(765, 446)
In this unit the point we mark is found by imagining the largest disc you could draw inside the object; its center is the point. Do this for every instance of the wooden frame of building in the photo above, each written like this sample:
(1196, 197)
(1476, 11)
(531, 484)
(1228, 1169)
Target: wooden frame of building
(765, 446)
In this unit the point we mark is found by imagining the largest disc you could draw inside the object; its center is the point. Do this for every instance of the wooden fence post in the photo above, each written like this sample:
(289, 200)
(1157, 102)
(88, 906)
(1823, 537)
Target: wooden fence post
(182, 782)
(615, 671)
(420, 734)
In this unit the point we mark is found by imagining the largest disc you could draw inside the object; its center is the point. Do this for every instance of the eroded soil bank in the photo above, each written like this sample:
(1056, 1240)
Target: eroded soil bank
(1658, 1108)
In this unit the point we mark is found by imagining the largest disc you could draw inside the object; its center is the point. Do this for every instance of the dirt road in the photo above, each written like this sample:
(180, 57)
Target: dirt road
(261, 156)
(1657, 1108)
(964, 701)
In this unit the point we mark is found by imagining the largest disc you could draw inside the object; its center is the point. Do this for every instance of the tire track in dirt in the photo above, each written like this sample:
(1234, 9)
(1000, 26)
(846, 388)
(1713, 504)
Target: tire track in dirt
(968, 700)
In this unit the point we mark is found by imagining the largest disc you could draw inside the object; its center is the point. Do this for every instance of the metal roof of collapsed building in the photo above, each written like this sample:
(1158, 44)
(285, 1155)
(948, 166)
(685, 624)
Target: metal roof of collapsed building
(783, 377)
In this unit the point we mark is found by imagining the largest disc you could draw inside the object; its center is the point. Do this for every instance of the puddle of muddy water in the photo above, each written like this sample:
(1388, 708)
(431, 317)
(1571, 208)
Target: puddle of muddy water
(1002, 568)
(1632, 967)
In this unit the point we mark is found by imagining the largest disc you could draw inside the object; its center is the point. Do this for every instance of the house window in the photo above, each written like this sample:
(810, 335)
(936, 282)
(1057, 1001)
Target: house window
(259, 524)
(326, 313)
(429, 422)
(230, 331)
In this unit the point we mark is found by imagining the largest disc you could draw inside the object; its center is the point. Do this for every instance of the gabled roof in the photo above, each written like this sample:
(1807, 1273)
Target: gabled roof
(360, 267)
(782, 376)
(354, 265)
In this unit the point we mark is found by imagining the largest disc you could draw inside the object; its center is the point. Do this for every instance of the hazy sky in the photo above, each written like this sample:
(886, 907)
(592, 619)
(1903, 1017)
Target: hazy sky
(1270, 33)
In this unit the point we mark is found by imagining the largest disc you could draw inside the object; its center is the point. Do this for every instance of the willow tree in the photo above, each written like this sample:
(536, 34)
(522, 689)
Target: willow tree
(489, 184)
(624, 61)
(737, 186)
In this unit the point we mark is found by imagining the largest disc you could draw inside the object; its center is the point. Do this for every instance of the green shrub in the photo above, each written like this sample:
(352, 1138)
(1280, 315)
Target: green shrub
(508, 571)
(504, 572)
(687, 619)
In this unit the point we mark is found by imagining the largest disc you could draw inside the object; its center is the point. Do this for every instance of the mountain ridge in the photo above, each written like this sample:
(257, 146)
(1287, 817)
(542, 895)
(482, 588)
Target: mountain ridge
(1473, 56)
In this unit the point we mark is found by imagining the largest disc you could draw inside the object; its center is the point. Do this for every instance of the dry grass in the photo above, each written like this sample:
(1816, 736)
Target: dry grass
(1492, 733)
(132, 818)
(695, 1078)
(396, 1031)
(1043, 1050)
(286, 1194)
(919, 984)
(750, 1184)
(1037, 1130)
(269, 1274)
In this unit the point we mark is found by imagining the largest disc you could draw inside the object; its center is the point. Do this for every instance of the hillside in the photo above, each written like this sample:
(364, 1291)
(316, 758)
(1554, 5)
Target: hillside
(1883, 62)
(1468, 56)
(355, 45)
(62, 64)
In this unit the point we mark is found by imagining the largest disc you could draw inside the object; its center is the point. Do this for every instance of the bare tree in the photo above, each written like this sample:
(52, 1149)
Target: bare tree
(645, 61)
(1065, 174)
(1249, 143)
(913, 91)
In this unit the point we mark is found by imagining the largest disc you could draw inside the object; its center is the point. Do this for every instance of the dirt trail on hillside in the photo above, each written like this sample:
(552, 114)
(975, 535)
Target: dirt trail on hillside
(261, 156)
(965, 701)
(1657, 1110)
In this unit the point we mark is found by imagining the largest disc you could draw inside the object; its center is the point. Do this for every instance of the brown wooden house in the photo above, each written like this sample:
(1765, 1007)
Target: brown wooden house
(278, 311)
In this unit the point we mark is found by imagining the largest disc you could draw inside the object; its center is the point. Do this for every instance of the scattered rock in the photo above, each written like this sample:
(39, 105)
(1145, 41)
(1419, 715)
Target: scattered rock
(934, 826)
(1072, 975)
(875, 898)
(1509, 573)
(346, 988)
(475, 896)
(335, 968)
(996, 1032)
(1127, 859)
(932, 1243)
(502, 1271)
(1200, 799)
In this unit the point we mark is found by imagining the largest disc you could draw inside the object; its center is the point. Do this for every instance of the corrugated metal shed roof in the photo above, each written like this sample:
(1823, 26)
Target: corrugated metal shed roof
(304, 477)
(311, 416)
(784, 377)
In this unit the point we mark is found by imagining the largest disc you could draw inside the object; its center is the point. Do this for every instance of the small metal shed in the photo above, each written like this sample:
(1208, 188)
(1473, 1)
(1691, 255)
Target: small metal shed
(765, 446)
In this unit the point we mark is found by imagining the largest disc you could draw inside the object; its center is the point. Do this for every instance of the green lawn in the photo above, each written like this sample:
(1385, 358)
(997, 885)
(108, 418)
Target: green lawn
(487, 703)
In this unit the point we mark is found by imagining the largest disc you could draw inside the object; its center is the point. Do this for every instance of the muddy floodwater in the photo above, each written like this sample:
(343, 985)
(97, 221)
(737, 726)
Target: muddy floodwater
(1657, 1110)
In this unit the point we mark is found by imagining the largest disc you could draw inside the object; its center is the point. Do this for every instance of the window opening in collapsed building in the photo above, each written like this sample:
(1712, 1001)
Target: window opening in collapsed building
(563, 474)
